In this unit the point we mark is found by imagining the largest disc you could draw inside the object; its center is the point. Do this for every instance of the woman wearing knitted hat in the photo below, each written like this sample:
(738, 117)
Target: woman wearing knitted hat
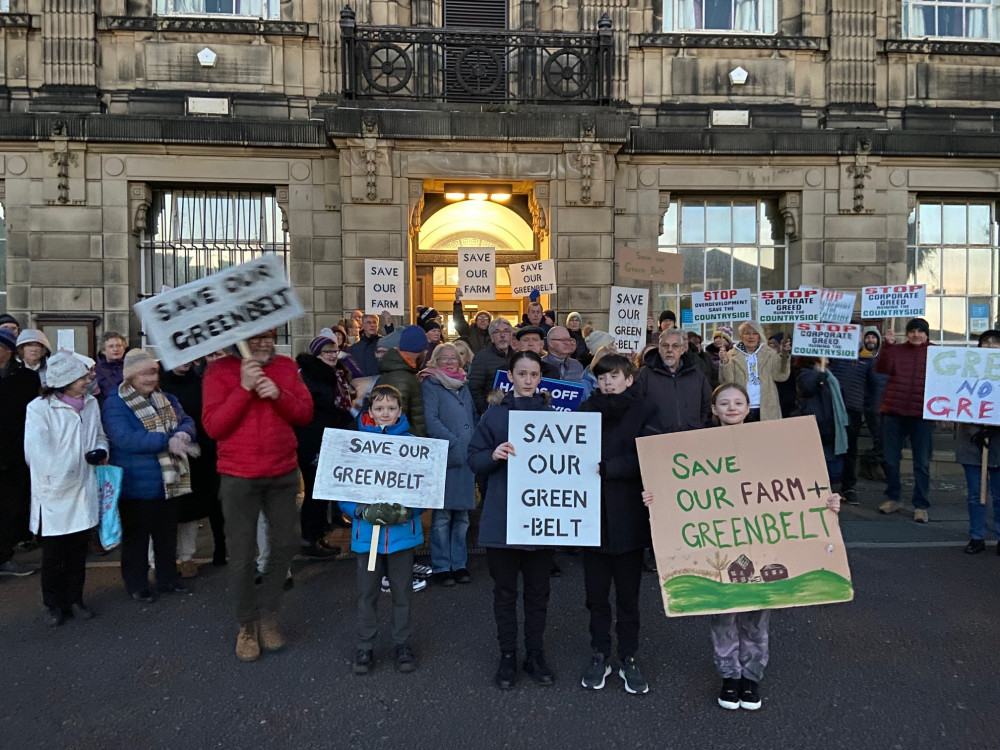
(151, 439)
(63, 440)
(329, 382)
(574, 324)
(34, 349)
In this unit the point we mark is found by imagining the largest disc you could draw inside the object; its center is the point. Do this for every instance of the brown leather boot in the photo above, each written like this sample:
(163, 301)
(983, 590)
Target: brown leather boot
(247, 647)
(270, 636)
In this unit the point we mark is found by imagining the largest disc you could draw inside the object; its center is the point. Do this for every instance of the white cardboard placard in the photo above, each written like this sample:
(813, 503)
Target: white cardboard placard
(477, 272)
(383, 287)
(789, 306)
(830, 340)
(553, 488)
(899, 301)
(217, 311)
(720, 305)
(527, 277)
(627, 321)
(369, 467)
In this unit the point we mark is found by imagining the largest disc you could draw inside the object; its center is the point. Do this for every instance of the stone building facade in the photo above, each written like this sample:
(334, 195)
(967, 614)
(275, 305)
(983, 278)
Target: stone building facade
(838, 143)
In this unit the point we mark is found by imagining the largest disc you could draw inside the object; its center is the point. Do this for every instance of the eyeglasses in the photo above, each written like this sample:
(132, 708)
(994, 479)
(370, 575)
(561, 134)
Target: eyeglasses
(552, 339)
(672, 346)
(329, 352)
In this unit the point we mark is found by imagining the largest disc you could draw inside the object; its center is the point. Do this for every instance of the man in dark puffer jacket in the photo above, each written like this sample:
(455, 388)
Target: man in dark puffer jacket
(902, 416)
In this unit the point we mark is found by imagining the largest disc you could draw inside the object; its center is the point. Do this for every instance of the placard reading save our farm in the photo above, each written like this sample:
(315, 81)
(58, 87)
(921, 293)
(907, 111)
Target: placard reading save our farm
(553, 488)
(831, 340)
(369, 467)
(526, 278)
(739, 518)
(962, 385)
(628, 318)
(383, 287)
(902, 300)
(217, 311)
(789, 306)
(721, 305)
(477, 272)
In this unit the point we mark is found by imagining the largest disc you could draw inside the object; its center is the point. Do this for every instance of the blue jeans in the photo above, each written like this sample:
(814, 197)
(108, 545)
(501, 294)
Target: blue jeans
(895, 430)
(977, 512)
(448, 550)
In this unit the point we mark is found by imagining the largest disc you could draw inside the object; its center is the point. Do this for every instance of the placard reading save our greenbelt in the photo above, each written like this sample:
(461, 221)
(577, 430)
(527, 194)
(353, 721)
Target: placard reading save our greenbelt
(739, 518)
(370, 467)
(212, 313)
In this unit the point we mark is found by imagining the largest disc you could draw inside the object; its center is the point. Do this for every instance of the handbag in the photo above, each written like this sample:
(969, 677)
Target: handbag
(109, 490)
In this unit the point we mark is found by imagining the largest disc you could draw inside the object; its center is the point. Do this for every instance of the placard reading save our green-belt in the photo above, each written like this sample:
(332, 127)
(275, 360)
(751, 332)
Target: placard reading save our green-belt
(739, 518)
(369, 467)
(217, 311)
(553, 488)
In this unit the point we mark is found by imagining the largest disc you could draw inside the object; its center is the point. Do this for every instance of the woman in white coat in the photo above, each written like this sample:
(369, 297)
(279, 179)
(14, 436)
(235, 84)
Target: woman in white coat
(63, 440)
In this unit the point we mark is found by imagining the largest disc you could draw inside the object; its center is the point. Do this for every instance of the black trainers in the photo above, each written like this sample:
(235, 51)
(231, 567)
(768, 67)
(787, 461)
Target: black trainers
(850, 497)
(749, 697)
(364, 660)
(729, 696)
(596, 671)
(975, 546)
(54, 617)
(506, 675)
(406, 659)
(534, 665)
(635, 683)
(81, 611)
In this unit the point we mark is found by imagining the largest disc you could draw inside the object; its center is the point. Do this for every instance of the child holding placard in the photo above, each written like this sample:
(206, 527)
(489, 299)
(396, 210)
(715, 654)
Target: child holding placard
(625, 415)
(488, 452)
(399, 533)
(739, 639)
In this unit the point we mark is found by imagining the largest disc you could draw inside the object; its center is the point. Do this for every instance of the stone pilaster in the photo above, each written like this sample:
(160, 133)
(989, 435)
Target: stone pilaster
(69, 42)
(851, 61)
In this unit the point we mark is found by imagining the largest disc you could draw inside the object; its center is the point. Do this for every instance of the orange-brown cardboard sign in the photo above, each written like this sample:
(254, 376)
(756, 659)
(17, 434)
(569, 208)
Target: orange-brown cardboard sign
(739, 518)
(650, 265)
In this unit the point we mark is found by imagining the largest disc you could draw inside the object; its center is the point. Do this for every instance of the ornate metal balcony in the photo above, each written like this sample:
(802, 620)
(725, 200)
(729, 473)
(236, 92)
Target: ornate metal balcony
(476, 65)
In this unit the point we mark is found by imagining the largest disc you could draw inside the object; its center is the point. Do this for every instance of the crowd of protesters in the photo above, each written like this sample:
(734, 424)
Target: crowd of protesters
(234, 439)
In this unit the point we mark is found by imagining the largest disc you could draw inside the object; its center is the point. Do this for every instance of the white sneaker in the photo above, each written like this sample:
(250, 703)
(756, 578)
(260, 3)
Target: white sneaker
(421, 571)
(419, 584)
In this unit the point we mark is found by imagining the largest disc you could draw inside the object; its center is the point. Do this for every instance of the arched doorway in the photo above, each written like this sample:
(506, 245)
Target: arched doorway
(470, 223)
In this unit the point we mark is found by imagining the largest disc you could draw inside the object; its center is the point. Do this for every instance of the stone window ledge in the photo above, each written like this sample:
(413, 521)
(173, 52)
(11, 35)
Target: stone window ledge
(942, 47)
(213, 25)
(731, 41)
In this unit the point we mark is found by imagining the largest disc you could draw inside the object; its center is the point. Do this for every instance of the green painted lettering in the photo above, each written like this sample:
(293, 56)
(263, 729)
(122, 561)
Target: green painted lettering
(771, 528)
(720, 533)
(720, 497)
(752, 526)
(686, 473)
(822, 517)
(784, 524)
(690, 541)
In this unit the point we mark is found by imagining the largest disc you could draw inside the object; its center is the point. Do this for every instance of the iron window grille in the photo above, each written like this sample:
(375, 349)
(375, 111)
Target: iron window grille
(193, 233)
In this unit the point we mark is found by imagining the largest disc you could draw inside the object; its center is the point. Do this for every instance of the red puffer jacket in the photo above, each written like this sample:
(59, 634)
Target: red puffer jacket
(905, 364)
(254, 435)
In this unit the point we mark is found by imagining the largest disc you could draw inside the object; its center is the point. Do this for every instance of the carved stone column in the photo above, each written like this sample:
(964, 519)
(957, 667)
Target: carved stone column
(69, 42)
(851, 66)
(617, 10)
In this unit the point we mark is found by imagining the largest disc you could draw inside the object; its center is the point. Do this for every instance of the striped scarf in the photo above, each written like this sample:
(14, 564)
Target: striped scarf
(157, 415)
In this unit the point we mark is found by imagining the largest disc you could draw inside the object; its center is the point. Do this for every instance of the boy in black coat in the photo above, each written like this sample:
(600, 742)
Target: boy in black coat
(625, 415)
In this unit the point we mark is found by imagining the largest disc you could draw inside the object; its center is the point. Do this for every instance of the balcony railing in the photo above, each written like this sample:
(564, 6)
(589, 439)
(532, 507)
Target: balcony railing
(476, 65)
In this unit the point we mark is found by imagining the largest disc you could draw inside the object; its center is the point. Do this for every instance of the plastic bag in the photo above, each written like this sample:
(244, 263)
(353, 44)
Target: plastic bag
(109, 490)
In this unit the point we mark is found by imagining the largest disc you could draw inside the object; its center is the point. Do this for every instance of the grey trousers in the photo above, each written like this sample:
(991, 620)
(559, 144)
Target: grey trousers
(398, 566)
(740, 642)
(243, 500)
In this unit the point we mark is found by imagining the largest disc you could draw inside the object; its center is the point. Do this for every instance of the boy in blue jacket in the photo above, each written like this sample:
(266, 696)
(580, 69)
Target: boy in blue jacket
(399, 535)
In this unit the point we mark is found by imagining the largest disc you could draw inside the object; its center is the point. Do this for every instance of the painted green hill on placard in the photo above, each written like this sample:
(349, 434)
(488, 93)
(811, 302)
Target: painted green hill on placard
(689, 594)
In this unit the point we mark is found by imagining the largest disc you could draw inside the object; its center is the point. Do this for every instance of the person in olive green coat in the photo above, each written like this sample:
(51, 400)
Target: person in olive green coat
(399, 367)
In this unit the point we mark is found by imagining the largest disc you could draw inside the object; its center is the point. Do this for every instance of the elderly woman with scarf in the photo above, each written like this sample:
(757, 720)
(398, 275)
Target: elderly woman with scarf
(151, 439)
(755, 366)
(450, 414)
(819, 395)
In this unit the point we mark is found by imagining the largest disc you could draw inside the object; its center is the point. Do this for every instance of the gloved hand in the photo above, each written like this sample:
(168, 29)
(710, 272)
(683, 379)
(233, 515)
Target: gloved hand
(385, 514)
(96, 456)
(178, 442)
(982, 438)
(193, 450)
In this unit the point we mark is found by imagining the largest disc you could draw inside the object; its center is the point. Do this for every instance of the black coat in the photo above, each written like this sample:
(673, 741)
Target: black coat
(204, 494)
(19, 386)
(482, 373)
(683, 399)
(321, 380)
(624, 519)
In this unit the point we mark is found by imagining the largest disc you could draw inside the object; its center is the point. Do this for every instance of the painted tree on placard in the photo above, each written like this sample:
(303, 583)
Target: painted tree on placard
(718, 564)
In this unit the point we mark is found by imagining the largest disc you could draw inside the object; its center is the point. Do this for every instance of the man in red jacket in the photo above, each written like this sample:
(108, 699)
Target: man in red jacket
(250, 407)
(902, 416)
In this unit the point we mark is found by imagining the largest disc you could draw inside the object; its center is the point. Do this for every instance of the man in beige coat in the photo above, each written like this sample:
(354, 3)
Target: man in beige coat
(757, 367)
